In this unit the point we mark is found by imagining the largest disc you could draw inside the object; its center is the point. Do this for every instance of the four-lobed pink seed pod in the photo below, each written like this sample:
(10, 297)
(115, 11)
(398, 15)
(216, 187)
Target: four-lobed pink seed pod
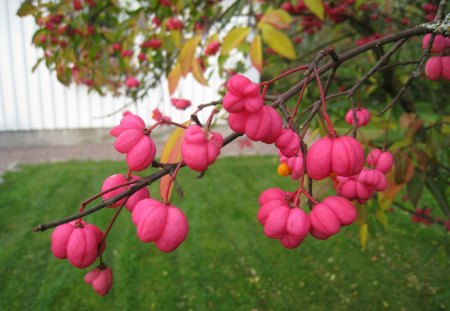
(280, 221)
(134, 142)
(294, 163)
(382, 161)
(118, 179)
(433, 68)
(362, 114)
(328, 216)
(343, 156)
(264, 125)
(163, 224)
(288, 143)
(242, 95)
(200, 148)
(77, 242)
(100, 279)
(439, 43)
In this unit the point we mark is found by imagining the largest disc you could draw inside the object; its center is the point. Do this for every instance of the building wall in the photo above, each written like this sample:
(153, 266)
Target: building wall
(37, 101)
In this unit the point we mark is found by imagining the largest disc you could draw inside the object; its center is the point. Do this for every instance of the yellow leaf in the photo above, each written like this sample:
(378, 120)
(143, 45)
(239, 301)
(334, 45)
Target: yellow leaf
(233, 39)
(256, 53)
(278, 41)
(384, 202)
(198, 73)
(278, 18)
(176, 38)
(363, 235)
(171, 153)
(174, 78)
(187, 54)
(315, 6)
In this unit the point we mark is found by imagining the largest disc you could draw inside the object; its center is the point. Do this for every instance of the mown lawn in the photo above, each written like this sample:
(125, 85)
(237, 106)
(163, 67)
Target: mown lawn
(226, 262)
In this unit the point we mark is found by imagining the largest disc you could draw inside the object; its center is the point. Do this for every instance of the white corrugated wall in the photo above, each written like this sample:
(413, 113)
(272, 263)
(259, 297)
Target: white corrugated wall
(37, 101)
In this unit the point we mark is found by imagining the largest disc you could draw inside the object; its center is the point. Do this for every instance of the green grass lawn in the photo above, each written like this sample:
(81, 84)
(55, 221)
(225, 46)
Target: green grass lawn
(225, 264)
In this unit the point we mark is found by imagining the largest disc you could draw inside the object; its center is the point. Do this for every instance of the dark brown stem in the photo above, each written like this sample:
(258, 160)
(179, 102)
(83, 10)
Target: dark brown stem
(429, 218)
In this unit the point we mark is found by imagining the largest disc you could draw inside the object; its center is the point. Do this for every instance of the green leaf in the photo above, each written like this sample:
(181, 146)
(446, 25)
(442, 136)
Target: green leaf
(400, 144)
(439, 194)
(315, 6)
(37, 64)
(233, 39)
(26, 9)
(414, 188)
(278, 41)
(381, 217)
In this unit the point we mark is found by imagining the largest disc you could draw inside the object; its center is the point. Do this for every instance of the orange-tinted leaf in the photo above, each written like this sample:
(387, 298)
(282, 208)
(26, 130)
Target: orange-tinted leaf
(233, 39)
(197, 72)
(187, 54)
(256, 53)
(174, 78)
(278, 18)
(315, 6)
(171, 153)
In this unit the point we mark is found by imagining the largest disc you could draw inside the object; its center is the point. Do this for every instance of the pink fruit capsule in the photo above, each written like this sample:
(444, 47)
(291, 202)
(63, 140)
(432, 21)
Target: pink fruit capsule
(175, 231)
(298, 223)
(385, 161)
(118, 179)
(82, 245)
(343, 156)
(200, 148)
(324, 222)
(264, 125)
(433, 68)
(295, 164)
(445, 71)
(212, 48)
(372, 157)
(362, 114)
(180, 103)
(275, 225)
(290, 242)
(272, 194)
(288, 143)
(237, 121)
(60, 237)
(132, 82)
(128, 121)
(439, 43)
(242, 95)
(318, 159)
(163, 224)
(342, 208)
(100, 279)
